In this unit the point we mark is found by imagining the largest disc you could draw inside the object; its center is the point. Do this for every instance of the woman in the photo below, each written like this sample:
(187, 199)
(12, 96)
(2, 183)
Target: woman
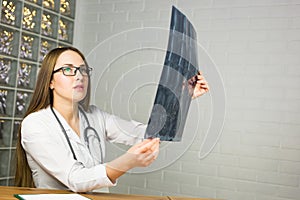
(61, 139)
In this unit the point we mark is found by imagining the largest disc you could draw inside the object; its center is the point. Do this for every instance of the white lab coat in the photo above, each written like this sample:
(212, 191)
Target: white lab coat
(49, 155)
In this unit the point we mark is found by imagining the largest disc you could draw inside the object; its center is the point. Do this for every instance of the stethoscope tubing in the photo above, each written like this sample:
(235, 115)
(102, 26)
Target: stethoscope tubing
(65, 133)
(85, 134)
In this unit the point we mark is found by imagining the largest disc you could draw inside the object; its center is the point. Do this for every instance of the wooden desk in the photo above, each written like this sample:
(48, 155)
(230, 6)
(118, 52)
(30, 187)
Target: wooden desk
(7, 193)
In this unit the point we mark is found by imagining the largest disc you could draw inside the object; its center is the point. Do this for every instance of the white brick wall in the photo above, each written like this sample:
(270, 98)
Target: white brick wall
(255, 45)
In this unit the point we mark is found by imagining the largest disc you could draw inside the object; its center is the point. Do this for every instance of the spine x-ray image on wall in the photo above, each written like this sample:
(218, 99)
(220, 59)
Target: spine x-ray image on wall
(176, 83)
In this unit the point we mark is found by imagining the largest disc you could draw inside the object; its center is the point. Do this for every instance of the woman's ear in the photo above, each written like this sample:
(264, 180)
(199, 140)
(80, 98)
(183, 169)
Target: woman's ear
(51, 86)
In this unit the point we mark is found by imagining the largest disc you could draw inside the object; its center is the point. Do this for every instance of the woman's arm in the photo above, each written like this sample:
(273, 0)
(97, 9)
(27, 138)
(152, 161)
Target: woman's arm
(118, 130)
(139, 155)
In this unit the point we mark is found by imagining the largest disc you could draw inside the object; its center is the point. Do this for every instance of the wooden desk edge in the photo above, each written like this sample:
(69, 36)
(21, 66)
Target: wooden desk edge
(8, 192)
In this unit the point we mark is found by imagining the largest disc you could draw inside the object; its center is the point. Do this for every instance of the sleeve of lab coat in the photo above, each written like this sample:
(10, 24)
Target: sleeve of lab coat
(119, 130)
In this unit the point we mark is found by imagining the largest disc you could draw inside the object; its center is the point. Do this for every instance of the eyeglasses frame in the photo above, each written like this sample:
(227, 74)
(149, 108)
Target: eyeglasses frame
(89, 69)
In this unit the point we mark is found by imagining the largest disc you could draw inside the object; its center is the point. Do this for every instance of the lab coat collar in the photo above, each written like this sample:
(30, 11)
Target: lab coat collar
(70, 132)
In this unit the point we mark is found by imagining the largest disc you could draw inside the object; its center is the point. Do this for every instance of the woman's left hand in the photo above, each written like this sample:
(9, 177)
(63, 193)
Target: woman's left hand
(201, 87)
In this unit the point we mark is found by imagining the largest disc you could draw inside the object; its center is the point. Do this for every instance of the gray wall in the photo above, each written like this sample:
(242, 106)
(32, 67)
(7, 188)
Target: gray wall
(249, 49)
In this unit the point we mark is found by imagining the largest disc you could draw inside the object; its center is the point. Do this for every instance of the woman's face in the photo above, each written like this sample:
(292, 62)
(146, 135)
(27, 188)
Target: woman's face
(69, 89)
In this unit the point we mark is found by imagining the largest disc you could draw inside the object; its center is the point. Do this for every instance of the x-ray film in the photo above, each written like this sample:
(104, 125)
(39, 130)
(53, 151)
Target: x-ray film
(177, 81)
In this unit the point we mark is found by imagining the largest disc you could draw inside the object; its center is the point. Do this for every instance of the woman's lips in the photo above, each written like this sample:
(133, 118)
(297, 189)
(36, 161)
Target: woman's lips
(79, 87)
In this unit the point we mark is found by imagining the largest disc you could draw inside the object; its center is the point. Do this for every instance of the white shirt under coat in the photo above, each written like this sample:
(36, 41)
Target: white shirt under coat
(49, 155)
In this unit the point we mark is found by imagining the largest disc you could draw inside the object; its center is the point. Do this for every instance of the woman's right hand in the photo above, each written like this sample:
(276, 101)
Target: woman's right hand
(139, 155)
(144, 153)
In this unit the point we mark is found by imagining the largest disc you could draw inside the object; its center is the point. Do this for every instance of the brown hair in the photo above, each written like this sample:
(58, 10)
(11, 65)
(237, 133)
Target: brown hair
(42, 98)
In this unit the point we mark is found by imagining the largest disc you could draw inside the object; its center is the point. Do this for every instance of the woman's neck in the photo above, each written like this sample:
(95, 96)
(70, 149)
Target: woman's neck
(68, 111)
(70, 114)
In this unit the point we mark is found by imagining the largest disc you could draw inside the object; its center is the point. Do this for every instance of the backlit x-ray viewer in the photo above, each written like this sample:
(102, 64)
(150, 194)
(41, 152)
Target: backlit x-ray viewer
(177, 81)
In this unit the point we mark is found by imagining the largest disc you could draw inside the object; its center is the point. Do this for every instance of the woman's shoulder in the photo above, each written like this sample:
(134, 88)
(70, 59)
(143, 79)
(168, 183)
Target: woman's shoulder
(40, 115)
(95, 109)
(39, 122)
(97, 112)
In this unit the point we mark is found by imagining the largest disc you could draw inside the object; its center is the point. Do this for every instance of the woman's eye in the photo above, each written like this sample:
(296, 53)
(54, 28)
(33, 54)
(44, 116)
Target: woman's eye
(68, 69)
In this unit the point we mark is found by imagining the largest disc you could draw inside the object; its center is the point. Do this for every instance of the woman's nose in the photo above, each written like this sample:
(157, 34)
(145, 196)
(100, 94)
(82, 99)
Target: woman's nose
(78, 74)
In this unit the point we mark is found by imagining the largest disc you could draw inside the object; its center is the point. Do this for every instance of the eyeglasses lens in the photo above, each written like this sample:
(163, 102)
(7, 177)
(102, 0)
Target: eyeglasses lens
(71, 71)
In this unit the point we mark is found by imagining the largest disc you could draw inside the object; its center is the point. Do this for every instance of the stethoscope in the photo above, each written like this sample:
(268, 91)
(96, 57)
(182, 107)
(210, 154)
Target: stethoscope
(85, 134)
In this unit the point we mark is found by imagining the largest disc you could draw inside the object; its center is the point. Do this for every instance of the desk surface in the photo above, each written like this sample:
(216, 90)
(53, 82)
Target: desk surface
(6, 193)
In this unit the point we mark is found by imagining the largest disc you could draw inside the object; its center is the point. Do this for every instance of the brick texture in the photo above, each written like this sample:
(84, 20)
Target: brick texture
(255, 48)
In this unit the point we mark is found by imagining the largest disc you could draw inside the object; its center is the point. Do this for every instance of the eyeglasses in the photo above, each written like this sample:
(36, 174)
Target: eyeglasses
(72, 70)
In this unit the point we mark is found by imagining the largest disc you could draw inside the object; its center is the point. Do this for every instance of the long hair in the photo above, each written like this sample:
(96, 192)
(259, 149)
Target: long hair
(42, 98)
